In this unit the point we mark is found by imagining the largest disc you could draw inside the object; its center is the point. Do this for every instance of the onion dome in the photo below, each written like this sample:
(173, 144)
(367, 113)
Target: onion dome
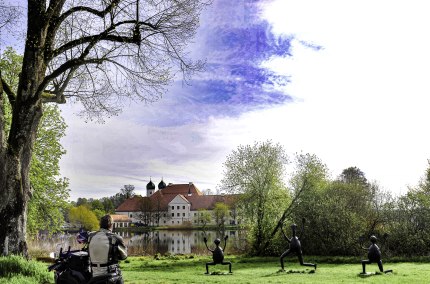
(150, 185)
(162, 184)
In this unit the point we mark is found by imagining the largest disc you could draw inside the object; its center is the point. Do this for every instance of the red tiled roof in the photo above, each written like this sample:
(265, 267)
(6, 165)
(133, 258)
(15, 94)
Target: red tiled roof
(209, 201)
(181, 189)
(131, 204)
(159, 200)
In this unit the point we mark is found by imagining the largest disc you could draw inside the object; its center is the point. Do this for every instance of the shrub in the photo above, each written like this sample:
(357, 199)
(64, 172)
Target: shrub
(13, 267)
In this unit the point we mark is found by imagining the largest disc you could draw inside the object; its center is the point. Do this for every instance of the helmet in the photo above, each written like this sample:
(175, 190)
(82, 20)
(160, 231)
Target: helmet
(82, 237)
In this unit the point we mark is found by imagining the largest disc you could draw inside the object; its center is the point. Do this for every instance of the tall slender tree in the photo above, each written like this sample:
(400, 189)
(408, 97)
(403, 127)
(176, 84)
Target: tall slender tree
(256, 172)
(96, 52)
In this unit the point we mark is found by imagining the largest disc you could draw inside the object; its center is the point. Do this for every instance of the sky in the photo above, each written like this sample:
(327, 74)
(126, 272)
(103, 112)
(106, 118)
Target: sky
(344, 80)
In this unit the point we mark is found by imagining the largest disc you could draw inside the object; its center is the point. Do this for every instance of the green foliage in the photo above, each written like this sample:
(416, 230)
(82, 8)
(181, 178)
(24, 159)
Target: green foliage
(353, 175)
(99, 213)
(256, 172)
(336, 218)
(220, 213)
(81, 201)
(310, 173)
(83, 217)
(10, 66)
(108, 205)
(50, 191)
(97, 205)
(408, 219)
(204, 217)
(338, 212)
(16, 269)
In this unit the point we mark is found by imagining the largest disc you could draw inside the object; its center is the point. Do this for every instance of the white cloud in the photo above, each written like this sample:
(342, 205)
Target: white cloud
(365, 94)
(361, 101)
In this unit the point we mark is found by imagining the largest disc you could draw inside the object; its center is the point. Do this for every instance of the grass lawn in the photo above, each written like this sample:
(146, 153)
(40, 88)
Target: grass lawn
(265, 270)
(260, 270)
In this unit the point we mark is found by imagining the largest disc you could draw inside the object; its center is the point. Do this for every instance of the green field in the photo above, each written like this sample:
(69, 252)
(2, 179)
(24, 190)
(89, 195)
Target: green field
(265, 270)
(261, 270)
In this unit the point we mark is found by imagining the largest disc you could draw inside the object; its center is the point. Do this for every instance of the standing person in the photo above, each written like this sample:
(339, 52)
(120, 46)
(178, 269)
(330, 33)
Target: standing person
(294, 247)
(105, 249)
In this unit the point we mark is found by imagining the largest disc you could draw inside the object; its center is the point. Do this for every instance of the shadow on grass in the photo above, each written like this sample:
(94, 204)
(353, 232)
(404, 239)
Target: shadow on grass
(291, 271)
(218, 273)
(170, 265)
(370, 274)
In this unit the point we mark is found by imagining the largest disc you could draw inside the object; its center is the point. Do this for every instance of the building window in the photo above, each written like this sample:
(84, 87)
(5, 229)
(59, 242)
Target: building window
(173, 214)
(177, 207)
(164, 214)
(131, 215)
(179, 214)
(173, 207)
(195, 214)
(183, 214)
(178, 222)
(183, 207)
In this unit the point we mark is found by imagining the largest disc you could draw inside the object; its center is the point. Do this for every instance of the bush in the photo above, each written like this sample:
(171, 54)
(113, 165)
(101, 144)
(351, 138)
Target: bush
(14, 267)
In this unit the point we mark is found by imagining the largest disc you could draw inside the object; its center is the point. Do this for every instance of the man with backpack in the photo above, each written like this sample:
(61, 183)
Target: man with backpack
(105, 250)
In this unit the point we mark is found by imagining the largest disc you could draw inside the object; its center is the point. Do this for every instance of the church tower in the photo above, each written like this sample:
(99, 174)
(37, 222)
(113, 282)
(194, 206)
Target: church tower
(150, 188)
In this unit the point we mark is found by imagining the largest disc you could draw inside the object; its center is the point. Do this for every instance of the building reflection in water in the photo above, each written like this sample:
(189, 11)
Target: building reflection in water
(178, 242)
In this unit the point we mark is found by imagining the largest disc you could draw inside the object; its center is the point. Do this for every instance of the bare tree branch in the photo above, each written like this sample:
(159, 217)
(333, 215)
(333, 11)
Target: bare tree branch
(99, 52)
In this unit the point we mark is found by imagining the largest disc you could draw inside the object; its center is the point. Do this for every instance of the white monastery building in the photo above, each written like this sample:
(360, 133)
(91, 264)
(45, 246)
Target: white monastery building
(175, 205)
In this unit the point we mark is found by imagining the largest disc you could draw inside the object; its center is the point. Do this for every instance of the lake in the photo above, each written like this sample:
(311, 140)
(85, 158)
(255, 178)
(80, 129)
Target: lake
(180, 241)
(153, 242)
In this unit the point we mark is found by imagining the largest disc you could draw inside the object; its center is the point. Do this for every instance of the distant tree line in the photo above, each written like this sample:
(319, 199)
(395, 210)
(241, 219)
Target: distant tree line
(86, 213)
(340, 213)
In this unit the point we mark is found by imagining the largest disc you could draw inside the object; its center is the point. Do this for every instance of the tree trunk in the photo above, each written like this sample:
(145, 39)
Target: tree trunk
(15, 154)
(287, 212)
(14, 181)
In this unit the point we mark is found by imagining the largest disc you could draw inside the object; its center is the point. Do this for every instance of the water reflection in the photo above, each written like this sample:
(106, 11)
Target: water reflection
(179, 242)
(153, 242)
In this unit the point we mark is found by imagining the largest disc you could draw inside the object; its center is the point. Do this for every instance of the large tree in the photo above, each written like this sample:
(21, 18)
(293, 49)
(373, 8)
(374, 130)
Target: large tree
(49, 189)
(96, 52)
(256, 172)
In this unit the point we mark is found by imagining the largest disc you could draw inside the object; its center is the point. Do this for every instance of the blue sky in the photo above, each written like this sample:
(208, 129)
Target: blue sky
(345, 80)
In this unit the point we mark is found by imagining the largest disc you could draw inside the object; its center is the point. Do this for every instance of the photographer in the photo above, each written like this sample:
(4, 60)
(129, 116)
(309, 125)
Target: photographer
(105, 249)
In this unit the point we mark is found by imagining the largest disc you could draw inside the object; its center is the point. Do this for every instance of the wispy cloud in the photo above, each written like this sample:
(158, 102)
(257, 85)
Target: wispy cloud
(234, 41)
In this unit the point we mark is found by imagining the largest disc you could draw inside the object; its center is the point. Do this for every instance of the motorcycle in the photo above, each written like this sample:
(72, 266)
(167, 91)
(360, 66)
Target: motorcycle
(74, 267)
